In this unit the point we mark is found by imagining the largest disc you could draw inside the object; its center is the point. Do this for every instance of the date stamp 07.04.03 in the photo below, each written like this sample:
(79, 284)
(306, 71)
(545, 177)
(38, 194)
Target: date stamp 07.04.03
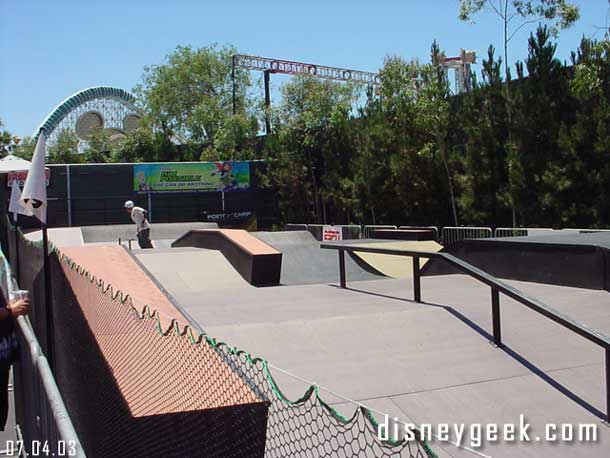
(40, 448)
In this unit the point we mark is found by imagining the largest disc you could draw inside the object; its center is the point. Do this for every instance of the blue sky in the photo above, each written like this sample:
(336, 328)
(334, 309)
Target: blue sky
(51, 49)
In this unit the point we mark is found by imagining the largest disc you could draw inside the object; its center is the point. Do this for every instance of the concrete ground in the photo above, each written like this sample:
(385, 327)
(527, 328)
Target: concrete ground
(424, 363)
(303, 262)
(427, 362)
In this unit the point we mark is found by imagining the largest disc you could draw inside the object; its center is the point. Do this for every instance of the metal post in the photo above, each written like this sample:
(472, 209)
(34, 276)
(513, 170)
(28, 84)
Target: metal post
(69, 197)
(342, 268)
(17, 261)
(223, 200)
(48, 295)
(267, 103)
(495, 316)
(233, 81)
(608, 384)
(416, 280)
(149, 208)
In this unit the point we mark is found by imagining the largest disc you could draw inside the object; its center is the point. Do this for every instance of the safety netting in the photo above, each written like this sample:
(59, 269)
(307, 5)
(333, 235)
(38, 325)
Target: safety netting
(140, 386)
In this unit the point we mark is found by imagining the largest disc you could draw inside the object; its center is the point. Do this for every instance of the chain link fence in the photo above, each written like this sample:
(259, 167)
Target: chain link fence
(135, 387)
(350, 231)
(455, 234)
(433, 228)
(42, 421)
(510, 232)
(368, 229)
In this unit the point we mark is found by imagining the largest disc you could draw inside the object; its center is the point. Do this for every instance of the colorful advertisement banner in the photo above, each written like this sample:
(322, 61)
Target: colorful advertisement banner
(191, 177)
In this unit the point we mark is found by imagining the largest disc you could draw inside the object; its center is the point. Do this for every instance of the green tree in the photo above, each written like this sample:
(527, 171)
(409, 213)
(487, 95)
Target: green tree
(514, 15)
(414, 106)
(589, 67)
(306, 155)
(234, 140)
(25, 148)
(584, 198)
(400, 82)
(432, 117)
(65, 149)
(372, 181)
(137, 146)
(6, 140)
(541, 97)
(98, 146)
(189, 98)
(481, 115)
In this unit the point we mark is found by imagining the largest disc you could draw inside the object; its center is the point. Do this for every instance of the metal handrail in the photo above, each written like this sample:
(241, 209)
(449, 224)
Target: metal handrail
(65, 428)
(42, 370)
(497, 287)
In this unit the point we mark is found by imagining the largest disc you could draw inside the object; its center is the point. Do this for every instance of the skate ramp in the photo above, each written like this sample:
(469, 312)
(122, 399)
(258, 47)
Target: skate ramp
(257, 262)
(158, 231)
(303, 262)
(191, 272)
(396, 266)
(59, 236)
(567, 259)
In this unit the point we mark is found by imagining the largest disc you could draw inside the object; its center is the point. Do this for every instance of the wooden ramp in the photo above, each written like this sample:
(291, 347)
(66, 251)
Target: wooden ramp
(396, 266)
(257, 262)
(145, 380)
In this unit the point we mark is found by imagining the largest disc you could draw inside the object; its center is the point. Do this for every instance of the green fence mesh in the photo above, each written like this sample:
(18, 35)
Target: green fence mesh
(164, 413)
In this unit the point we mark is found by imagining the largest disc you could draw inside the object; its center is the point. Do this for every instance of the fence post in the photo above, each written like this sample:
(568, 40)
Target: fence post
(342, 268)
(608, 384)
(495, 316)
(416, 280)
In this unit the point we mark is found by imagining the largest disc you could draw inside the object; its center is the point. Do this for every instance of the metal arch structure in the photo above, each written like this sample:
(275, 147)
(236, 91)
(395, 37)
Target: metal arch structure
(112, 104)
(299, 68)
(268, 65)
(461, 66)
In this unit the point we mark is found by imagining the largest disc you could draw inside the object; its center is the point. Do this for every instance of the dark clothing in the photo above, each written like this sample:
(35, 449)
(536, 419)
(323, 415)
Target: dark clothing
(4, 371)
(144, 238)
(7, 327)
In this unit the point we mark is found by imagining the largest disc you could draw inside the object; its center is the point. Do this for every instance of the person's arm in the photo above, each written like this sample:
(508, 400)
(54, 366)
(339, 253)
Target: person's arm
(16, 308)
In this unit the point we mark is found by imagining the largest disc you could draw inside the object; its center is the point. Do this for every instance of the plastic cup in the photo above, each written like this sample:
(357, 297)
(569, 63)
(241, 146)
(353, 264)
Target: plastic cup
(21, 294)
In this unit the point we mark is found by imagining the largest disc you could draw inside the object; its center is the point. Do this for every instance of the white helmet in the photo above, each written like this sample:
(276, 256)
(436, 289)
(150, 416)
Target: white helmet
(128, 204)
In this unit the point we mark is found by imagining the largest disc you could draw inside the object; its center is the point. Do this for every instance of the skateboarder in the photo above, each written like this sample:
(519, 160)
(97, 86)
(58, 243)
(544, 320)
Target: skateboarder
(139, 216)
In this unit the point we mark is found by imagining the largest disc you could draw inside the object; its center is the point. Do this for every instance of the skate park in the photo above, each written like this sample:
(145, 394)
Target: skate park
(326, 336)
(358, 343)
(316, 230)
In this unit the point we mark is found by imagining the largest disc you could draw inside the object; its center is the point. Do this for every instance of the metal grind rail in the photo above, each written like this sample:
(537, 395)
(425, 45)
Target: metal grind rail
(497, 287)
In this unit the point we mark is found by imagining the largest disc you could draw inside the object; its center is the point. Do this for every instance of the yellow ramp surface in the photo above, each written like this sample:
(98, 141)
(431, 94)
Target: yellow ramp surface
(396, 266)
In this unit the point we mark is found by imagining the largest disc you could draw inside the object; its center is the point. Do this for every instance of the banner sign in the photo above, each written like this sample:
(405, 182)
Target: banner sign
(231, 217)
(332, 233)
(191, 177)
(21, 176)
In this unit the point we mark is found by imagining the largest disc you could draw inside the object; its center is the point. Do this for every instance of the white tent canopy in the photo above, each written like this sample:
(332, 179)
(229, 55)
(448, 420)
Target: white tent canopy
(12, 163)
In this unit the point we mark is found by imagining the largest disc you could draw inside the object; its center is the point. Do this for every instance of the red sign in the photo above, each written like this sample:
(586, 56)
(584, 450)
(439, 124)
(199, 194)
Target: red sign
(21, 176)
(330, 233)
